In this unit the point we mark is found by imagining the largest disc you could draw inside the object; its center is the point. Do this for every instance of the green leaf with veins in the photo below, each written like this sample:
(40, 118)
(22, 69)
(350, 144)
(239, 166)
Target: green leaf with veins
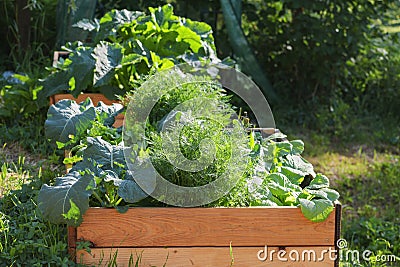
(106, 113)
(55, 83)
(299, 163)
(68, 199)
(297, 146)
(332, 195)
(320, 181)
(294, 175)
(108, 57)
(82, 67)
(279, 184)
(67, 118)
(161, 15)
(316, 210)
(112, 21)
(103, 153)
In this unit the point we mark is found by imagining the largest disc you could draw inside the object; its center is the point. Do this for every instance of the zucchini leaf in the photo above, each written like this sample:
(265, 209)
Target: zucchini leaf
(280, 185)
(112, 21)
(295, 176)
(130, 191)
(108, 57)
(82, 67)
(55, 83)
(297, 146)
(332, 195)
(299, 163)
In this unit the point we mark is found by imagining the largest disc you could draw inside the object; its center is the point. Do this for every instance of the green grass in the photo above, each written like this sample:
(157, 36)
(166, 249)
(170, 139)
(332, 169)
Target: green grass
(25, 239)
(371, 210)
(366, 172)
(11, 177)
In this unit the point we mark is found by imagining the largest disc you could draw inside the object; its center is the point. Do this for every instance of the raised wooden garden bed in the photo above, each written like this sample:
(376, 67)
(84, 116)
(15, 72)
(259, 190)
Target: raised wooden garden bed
(202, 237)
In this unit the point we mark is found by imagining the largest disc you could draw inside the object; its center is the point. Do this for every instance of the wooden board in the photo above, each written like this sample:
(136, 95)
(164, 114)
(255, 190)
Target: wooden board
(57, 55)
(96, 98)
(202, 237)
(211, 257)
(175, 227)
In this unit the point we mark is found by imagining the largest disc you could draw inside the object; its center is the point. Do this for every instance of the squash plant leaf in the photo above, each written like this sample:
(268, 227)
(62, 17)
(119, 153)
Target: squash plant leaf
(82, 68)
(282, 148)
(274, 136)
(297, 146)
(316, 210)
(295, 176)
(108, 57)
(68, 199)
(161, 15)
(202, 29)
(279, 184)
(88, 25)
(112, 21)
(332, 195)
(67, 118)
(55, 83)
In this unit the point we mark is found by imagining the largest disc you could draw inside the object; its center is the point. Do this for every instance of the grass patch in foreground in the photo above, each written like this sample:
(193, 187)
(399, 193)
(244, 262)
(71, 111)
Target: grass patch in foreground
(368, 179)
(371, 213)
(25, 239)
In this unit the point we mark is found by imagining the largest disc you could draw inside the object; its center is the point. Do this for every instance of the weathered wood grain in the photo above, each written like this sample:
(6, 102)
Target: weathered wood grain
(71, 241)
(203, 227)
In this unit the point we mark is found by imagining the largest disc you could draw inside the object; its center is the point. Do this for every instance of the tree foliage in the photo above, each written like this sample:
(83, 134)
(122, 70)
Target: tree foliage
(313, 50)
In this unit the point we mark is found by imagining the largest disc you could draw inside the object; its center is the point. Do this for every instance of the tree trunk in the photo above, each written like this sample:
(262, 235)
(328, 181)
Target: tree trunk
(23, 19)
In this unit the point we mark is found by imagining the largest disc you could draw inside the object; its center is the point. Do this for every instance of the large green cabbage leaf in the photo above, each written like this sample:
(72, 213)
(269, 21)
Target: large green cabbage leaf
(68, 199)
(67, 118)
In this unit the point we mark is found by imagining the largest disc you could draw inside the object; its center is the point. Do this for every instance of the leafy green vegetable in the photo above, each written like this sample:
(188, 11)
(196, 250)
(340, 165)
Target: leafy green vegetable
(320, 181)
(67, 119)
(316, 210)
(68, 199)
(106, 113)
(128, 46)
(108, 156)
(281, 176)
(274, 173)
(130, 191)
(108, 57)
(99, 173)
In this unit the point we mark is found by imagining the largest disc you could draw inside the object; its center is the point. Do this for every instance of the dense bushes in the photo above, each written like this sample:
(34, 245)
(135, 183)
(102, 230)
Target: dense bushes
(314, 51)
